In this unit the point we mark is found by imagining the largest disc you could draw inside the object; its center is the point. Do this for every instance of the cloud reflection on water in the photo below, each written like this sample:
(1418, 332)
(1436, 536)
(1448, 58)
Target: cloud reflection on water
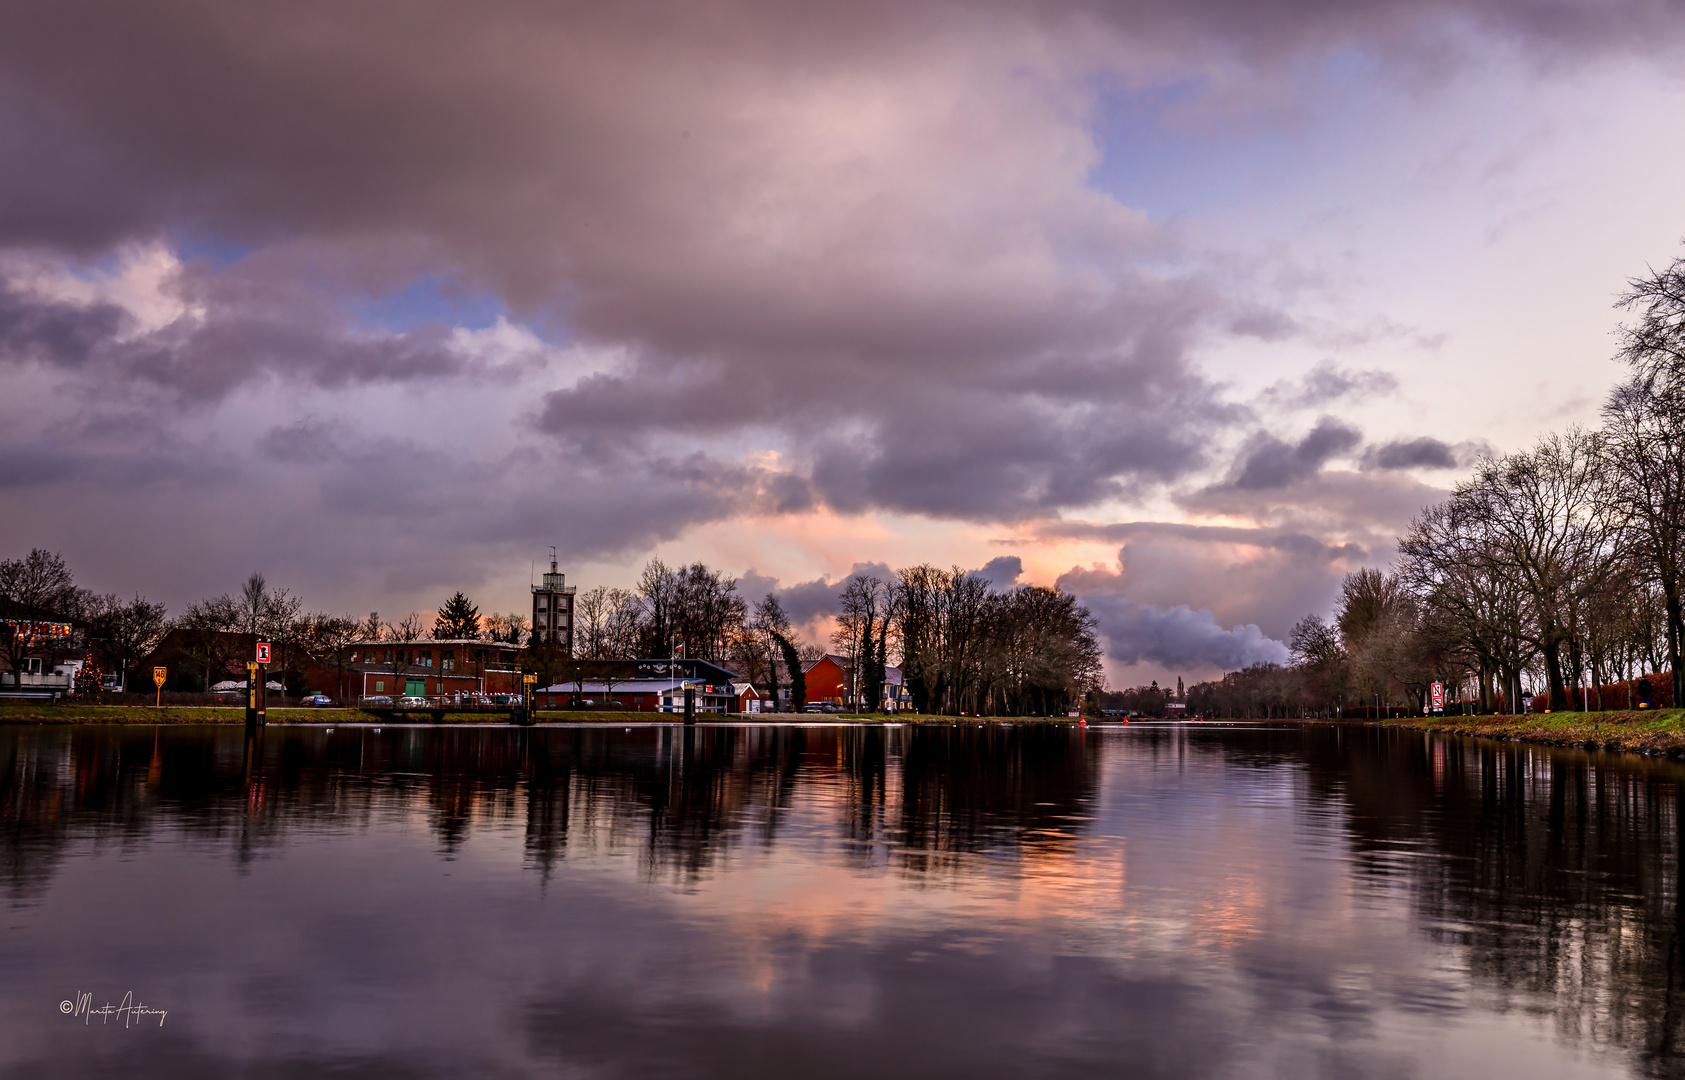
(969, 901)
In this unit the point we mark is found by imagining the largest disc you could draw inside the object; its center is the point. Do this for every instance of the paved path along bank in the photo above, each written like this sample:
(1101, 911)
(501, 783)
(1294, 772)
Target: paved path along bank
(1655, 731)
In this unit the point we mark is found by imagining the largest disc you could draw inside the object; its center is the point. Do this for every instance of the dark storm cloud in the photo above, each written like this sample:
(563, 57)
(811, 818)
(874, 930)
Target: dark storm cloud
(1425, 452)
(998, 460)
(48, 465)
(1002, 573)
(110, 450)
(234, 327)
(55, 332)
(864, 234)
(1268, 462)
(1175, 636)
(1179, 637)
(392, 484)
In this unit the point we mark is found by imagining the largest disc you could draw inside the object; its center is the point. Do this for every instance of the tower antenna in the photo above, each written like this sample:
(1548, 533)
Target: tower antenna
(552, 558)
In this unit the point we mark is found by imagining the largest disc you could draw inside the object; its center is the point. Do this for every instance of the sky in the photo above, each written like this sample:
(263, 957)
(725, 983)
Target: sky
(1185, 307)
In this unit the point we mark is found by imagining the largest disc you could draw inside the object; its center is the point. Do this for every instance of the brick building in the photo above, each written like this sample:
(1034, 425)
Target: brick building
(449, 668)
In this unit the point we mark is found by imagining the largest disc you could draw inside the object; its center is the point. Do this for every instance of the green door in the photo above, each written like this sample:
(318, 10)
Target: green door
(415, 687)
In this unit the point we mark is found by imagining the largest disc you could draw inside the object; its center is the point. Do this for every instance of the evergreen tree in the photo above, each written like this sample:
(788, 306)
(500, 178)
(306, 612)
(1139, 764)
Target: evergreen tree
(458, 619)
(875, 667)
(793, 664)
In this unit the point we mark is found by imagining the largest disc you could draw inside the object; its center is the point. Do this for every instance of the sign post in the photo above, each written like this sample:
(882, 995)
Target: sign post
(522, 712)
(158, 675)
(254, 696)
(1438, 692)
(262, 683)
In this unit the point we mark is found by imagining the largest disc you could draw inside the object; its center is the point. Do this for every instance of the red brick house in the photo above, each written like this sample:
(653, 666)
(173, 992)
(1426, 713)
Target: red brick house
(423, 669)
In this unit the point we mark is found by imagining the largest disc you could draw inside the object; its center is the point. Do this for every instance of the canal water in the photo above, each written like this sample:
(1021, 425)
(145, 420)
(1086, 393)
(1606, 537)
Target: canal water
(971, 901)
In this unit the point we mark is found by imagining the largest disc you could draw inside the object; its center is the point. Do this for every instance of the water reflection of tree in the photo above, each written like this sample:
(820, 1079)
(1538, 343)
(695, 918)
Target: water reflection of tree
(1558, 871)
(968, 788)
(683, 798)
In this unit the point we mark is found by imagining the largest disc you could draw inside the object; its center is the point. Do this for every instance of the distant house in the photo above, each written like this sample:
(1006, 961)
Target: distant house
(644, 695)
(56, 656)
(830, 680)
(661, 668)
(827, 680)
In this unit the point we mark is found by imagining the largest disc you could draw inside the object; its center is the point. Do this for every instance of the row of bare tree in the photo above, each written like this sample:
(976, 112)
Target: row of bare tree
(1554, 569)
(962, 646)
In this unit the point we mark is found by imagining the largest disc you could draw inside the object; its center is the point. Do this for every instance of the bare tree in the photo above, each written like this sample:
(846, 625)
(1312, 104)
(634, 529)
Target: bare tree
(854, 637)
(510, 628)
(126, 630)
(209, 638)
(591, 611)
(772, 626)
(1548, 529)
(283, 625)
(401, 637)
(333, 637)
(1643, 452)
(253, 600)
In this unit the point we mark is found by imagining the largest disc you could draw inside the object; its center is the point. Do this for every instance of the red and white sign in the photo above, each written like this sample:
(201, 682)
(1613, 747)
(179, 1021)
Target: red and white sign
(263, 653)
(1439, 695)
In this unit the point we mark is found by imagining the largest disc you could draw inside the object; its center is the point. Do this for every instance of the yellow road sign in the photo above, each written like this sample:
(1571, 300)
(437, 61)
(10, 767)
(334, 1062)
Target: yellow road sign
(158, 674)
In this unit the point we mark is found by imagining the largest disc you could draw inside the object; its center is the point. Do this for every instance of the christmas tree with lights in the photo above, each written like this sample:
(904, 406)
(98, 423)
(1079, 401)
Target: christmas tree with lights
(90, 680)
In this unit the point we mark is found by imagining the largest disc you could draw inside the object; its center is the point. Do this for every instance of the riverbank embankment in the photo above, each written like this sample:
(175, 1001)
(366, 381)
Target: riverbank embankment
(1650, 731)
(137, 714)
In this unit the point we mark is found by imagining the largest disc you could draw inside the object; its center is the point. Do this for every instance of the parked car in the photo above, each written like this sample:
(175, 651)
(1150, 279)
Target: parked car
(316, 700)
(411, 702)
(377, 699)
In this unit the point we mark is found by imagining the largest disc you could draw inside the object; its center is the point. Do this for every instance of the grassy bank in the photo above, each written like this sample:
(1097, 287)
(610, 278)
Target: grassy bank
(1658, 731)
(136, 714)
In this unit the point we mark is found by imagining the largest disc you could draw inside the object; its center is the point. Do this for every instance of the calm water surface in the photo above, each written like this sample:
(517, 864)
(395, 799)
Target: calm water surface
(787, 901)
